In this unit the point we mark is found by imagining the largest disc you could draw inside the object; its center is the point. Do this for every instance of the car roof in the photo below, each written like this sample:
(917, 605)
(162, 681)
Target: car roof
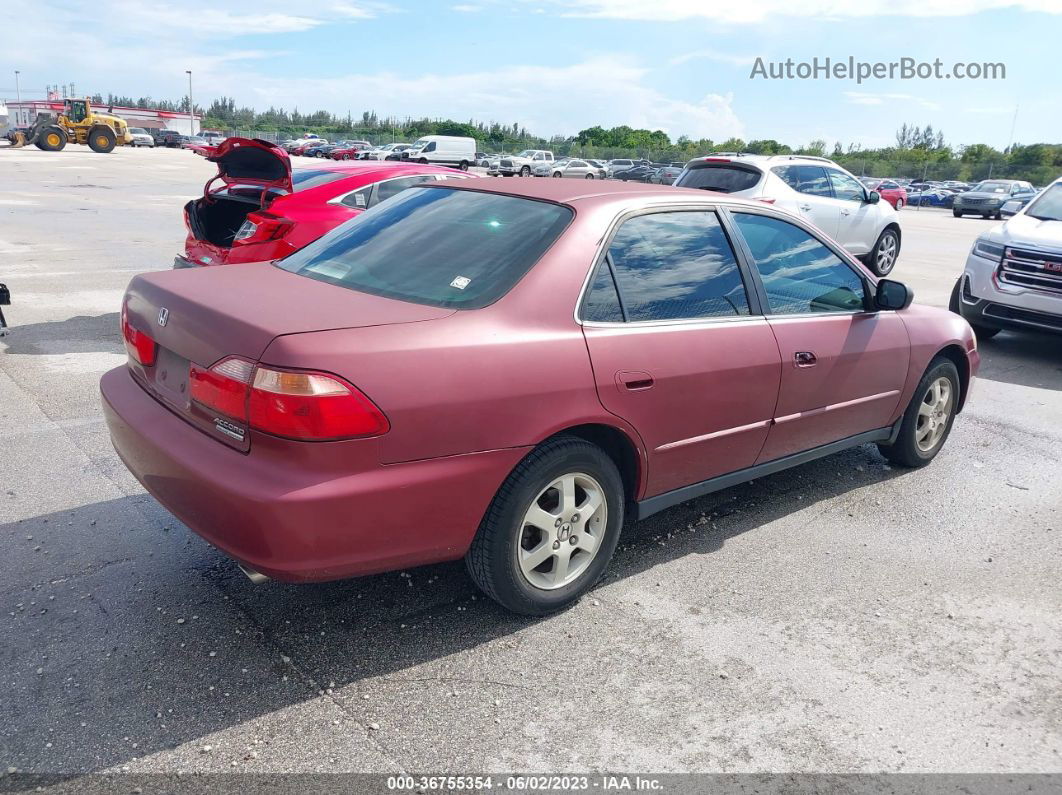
(585, 192)
(752, 159)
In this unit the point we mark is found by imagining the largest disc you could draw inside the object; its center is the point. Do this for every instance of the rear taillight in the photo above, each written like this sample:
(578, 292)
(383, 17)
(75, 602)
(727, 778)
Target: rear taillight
(260, 227)
(140, 346)
(295, 404)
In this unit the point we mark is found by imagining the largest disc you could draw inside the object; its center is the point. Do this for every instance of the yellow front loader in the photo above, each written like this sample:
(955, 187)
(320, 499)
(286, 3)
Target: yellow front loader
(79, 123)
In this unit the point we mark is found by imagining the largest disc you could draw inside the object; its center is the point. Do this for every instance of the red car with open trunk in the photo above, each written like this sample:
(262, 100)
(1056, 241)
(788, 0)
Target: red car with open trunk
(257, 209)
(502, 371)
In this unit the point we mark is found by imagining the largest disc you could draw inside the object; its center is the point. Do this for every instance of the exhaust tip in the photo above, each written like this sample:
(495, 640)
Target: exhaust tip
(254, 576)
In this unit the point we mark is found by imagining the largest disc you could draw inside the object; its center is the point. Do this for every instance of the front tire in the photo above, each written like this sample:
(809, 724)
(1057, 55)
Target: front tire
(883, 256)
(52, 138)
(957, 213)
(955, 305)
(929, 417)
(557, 175)
(551, 529)
(525, 171)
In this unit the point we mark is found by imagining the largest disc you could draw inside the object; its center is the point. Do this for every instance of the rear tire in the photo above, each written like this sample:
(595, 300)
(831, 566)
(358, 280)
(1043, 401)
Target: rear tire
(102, 139)
(464, 165)
(929, 417)
(534, 518)
(899, 204)
(589, 176)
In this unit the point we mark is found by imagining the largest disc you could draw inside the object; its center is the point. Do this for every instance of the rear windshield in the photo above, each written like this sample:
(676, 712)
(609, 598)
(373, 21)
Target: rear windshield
(722, 177)
(314, 177)
(438, 246)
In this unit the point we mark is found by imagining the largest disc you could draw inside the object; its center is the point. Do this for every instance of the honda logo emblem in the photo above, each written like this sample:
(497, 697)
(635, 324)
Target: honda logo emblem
(164, 316)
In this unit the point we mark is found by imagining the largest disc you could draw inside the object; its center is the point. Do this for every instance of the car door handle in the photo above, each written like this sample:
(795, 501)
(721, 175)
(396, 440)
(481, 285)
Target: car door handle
(805, 207)
(635, 380)
(846, 212)
(804, 359)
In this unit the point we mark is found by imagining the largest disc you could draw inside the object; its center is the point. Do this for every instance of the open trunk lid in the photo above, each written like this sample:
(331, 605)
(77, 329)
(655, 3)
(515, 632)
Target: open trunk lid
(201, 316)
(252, 161)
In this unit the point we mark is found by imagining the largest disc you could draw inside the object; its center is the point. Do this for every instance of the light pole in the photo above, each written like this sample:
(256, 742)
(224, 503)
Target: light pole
(191, 105)
(18, 92)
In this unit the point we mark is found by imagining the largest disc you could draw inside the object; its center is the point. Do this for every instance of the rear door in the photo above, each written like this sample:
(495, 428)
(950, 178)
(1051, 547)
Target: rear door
(678, 347)
(843, 367)
(814, 201)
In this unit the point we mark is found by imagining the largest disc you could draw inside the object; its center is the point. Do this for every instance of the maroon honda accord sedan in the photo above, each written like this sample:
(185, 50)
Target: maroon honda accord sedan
(505, 372)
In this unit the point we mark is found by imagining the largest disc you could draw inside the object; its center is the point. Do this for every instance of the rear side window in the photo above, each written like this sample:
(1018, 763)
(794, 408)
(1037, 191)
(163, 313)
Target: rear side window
(722, 177)
(602, 302)
(438, 246)
(805, 179)
(676, 265)
(304, 179)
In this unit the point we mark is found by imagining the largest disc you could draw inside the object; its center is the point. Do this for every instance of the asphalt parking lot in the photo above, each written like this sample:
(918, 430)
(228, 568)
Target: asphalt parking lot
(842, 616)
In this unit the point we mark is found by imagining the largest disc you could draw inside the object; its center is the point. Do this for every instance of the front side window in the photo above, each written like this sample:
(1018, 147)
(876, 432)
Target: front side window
(799, 274)
(676, 265)
(1048, 205)
(438, 246)
(845, 187)
(392, 187)
(811, 180)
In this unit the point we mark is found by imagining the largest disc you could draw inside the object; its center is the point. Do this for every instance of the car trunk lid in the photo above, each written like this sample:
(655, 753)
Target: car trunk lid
(252, 161)
(198, 317)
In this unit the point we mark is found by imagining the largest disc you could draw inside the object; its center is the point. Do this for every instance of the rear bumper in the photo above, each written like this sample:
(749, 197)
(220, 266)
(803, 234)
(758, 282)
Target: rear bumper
(301, 512)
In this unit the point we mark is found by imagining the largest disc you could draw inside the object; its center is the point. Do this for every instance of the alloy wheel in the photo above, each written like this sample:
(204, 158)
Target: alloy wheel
(562, 531)
(886, 256)
(934, 412)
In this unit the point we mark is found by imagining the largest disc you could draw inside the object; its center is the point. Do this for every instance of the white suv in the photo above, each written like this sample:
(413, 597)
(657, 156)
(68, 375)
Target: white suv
(814, 188)
(1013, 275)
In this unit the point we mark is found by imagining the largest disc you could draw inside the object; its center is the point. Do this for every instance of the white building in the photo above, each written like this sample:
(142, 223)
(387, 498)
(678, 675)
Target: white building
(23, 114)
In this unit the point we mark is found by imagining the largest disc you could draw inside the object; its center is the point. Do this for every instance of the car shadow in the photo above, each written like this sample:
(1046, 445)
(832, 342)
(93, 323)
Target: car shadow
(80, 334)
(134, 636)
(1022, 358)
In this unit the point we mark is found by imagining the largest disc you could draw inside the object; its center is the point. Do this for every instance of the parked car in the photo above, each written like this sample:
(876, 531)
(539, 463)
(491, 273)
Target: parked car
(614, 167)
(890, 190)
(382, 152)
(213, 138)
(1013, 274)
(814, 188)
(635, 174)
(448, 150)
(260, 209)
(569, 167)
(398, 151)
(988, 197)
(352, 150)
(171, 139)
(523, 163)
(304, 141)
(323, 151)
(301, 149)
(193, 142)
(330, 427)
(931, 197)
(141, 137)
(667, 175)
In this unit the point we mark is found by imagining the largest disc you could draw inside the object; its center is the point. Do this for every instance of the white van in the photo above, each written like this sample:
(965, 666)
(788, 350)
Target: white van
(443, 150)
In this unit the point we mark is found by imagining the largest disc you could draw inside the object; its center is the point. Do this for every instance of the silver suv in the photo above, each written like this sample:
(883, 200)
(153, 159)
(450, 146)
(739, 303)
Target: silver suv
(1013, 274)
(814, 188)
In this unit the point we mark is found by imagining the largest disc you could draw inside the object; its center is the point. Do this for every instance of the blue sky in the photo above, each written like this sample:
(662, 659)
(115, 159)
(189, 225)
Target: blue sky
(556, 67)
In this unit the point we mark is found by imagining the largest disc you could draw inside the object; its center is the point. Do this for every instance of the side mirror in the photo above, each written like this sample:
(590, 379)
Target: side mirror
(5, 295)
(893, 295)
(874, 197)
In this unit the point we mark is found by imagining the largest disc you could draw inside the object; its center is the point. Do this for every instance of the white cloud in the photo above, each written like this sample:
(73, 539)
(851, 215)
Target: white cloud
(751, 11)
(547, 100)
(868, 98)
(713, 55)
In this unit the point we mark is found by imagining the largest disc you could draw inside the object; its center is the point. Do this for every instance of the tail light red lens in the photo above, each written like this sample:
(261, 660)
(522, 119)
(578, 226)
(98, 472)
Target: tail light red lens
(295, 404)
(262, 226)
(140, 346)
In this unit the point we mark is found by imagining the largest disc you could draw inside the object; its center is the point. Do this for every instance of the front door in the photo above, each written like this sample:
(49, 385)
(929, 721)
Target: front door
(678, 349)
(843, 367)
